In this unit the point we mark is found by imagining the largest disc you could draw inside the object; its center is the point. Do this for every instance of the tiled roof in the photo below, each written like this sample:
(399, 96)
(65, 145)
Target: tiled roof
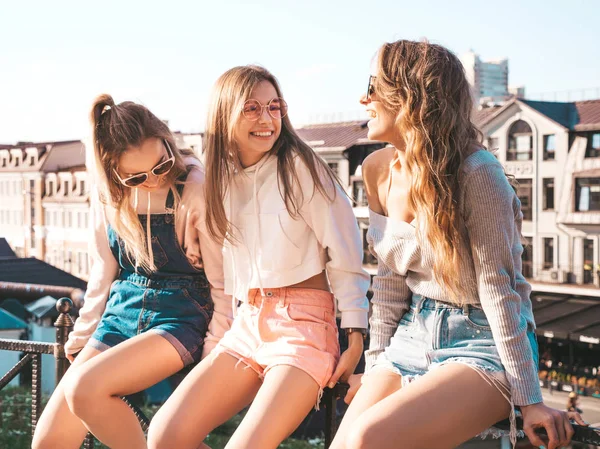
(10, 322)
(335, 135)
(5, 249)
(34, 271)
(589, 115)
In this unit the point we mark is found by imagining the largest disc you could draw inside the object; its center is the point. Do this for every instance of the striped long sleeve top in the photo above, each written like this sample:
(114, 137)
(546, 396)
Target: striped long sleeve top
(490, 272)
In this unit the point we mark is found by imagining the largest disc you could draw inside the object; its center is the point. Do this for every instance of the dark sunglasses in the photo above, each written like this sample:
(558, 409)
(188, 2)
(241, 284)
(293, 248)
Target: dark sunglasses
(160, 169)
(371, 86)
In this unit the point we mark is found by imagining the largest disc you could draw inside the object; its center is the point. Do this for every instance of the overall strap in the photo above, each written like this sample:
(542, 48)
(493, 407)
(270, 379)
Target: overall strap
(179, 185)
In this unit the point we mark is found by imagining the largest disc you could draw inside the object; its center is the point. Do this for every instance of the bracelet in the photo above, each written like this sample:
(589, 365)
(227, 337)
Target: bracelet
(349, 330)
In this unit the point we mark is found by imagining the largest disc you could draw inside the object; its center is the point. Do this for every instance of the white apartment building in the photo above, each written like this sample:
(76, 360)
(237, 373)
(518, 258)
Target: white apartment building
(24, 169)
(553, 150)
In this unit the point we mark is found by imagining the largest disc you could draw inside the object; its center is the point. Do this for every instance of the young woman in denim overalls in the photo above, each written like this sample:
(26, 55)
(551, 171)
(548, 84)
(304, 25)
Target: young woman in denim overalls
(453, 347)
(148, 304)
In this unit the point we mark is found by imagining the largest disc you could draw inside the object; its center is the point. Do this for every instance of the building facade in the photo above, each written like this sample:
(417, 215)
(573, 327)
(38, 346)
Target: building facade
(553, 151)
(28, 175)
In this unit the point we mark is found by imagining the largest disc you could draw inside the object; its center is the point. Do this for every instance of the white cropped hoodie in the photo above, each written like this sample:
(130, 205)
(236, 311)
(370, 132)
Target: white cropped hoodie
(273, 249)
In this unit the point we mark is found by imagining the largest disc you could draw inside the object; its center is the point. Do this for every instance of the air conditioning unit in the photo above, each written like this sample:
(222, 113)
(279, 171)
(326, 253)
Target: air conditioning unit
(559, 276)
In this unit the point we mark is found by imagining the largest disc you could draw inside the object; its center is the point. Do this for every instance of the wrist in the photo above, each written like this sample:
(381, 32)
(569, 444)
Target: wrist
(355, 340)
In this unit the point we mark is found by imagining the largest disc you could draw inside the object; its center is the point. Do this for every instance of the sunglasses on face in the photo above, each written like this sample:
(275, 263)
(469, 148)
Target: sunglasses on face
(253, 109)
(371, 86)
(160, 169)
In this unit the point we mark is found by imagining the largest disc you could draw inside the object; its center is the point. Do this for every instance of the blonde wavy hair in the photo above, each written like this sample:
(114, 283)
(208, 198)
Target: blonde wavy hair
(426, 86)
(229, 94)
(117, 127)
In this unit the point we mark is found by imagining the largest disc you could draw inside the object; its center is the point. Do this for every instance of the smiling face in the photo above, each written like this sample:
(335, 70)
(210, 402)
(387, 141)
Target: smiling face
(256, 138)
(382, 124)
(142, 159)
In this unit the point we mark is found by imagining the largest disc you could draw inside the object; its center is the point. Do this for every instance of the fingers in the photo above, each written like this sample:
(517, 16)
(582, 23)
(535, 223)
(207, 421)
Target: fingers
(534, 439)
(339, 370)
(560, 423)
(553, 439)
(577, 418)
(569, 432)
(351, 393)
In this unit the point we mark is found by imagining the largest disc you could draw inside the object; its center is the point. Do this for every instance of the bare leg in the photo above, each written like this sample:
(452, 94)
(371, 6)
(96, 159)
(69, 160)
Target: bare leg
(132, 366)
(441, 410)
(215, 390)
(58, 426)
(375, 387)
(283, 401)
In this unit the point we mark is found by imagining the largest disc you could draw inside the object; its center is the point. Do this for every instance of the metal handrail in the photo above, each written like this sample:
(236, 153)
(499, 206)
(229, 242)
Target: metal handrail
(33, 354)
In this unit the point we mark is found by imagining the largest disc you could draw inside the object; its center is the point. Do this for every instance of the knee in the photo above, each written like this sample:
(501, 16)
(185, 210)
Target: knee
(358, 438)
(45, 440)
(81, 392)
(166, 435)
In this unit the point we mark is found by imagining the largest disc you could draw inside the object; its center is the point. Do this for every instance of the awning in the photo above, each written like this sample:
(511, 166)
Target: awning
(567, 317)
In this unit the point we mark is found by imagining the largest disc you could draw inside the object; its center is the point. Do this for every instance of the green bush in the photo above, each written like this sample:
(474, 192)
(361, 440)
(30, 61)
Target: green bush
(15, 424)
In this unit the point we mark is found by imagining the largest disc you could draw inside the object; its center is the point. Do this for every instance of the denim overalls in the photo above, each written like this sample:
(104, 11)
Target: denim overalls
(174, 301)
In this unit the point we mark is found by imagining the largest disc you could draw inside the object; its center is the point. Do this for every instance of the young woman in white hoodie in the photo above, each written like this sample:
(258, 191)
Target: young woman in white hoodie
(292, 246)
(154, 269)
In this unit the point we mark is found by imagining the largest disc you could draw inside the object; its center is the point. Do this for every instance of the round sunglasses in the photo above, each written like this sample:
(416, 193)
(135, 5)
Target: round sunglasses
(253, 109)
(160, 169)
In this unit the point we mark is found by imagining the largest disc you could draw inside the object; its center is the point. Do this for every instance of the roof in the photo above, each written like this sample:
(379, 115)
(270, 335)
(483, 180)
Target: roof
(335, 135)
(573, 318)
(589, 115)
(15, 307)
(564, 114)
(30, 270)
(575, 116)
(44, 307)
(10, 322)
(5, 249)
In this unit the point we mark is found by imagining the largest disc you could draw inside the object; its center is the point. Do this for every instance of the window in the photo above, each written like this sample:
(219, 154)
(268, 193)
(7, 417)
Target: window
(593, 145)
(524, 192)
(588, 261)
(368, 258)
(587, 194)
(527, 258)
(549, 147)
(82, 187)
(520, 142)
(548, 253)
(359, 194)
(548, 199)
(493, 143)
(334, 167)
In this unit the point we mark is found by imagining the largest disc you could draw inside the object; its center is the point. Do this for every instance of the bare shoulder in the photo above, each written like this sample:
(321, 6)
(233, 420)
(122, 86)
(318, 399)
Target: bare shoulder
(376, 167)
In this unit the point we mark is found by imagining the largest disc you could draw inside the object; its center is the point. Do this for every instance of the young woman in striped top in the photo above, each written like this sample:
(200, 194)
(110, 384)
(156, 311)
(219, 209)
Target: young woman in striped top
(453, 347)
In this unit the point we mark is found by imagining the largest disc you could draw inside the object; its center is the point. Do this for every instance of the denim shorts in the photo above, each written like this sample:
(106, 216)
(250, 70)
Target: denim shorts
(178, 308)
(432, 334)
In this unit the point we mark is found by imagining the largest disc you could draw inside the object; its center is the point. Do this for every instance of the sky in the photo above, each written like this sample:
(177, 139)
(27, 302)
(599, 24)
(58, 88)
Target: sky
(56, 56)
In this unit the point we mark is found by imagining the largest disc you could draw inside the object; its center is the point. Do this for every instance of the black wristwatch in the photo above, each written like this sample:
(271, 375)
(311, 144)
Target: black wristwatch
(349, 330)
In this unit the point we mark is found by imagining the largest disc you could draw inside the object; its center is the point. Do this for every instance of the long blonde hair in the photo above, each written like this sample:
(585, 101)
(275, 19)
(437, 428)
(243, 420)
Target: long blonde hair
(230, 92)
(116, 127)
(426, 86)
